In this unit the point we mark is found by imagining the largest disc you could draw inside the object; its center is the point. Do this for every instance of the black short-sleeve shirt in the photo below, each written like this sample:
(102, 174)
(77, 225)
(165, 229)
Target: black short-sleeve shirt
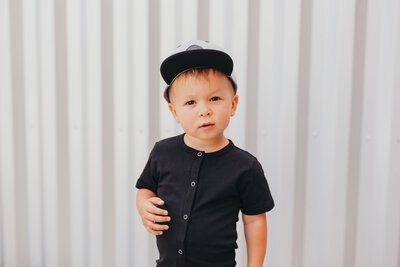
(203, 193)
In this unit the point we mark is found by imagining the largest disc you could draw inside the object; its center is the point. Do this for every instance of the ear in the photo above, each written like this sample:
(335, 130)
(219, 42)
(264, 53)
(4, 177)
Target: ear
(173, 111)
(235, 101)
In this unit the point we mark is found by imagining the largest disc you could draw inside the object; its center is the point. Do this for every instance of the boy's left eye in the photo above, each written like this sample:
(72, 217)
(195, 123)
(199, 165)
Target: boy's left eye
(215, 98)
(190, 102)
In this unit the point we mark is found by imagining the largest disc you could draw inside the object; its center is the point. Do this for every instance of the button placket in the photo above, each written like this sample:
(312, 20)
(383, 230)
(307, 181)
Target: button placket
(187, 204)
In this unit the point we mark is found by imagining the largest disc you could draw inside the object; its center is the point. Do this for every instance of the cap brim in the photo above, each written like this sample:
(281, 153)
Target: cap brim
(178, 63)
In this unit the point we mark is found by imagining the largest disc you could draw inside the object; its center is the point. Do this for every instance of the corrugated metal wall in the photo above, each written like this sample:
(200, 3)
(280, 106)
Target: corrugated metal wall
(81, 105)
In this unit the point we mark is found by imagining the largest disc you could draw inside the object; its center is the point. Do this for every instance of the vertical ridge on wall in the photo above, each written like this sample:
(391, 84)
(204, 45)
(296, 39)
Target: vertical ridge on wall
(190, 19)
(217, 13)
(355, 133)
(252, 76)
(63, 176)
(32, 113)
(76, 123)
(388, 14)
(48, 132)
(288, 60)
(227, 44)
(84, 81)
(40, 141)
(93, 136)
(302, 124)
(341, 83)
(203, 19)
(168, 38)
(143, 245)
(364, 254)
(19, 132)
(313, 247)
(8, 240)
(131, 165)
(392, 225)
(107, 128)
(154, 58)
(120, 87)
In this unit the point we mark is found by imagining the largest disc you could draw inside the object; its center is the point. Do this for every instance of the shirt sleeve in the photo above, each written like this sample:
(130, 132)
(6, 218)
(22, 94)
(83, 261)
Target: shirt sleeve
(149, 178)
(255, 195)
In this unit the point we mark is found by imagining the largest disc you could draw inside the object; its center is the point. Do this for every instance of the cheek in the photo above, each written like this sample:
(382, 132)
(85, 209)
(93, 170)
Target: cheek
(224, 115)
(186, 117)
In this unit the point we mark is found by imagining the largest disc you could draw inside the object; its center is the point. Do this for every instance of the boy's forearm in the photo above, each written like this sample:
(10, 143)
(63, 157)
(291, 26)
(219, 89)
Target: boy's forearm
(256, 239)
(142, 195)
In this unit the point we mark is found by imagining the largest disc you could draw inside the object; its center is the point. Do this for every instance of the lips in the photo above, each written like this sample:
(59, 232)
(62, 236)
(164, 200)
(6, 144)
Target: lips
(205, 125)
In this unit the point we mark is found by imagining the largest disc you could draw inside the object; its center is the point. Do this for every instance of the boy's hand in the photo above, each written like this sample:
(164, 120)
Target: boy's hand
(151, 214)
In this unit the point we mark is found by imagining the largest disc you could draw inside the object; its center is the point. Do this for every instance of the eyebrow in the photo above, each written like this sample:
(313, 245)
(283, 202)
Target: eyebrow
(193, 96)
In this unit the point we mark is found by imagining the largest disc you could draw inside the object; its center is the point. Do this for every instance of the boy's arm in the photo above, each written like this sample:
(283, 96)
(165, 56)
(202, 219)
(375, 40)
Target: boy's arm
(255, 230)
(146, 204)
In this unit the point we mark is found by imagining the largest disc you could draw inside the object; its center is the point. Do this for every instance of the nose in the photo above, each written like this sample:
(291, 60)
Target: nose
(205, 110)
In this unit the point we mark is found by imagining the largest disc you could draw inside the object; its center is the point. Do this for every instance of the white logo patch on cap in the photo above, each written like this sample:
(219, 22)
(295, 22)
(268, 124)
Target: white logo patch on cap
(194, 47)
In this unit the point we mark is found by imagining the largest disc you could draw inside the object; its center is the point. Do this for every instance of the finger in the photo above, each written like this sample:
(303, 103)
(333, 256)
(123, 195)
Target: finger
(153, 225)
(155, 218)
(156, 201)
(157, 227)
(153, 232)
(155, 210)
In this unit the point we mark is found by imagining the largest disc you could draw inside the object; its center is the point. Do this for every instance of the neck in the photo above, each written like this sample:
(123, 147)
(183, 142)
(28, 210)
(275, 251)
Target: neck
(205, 145)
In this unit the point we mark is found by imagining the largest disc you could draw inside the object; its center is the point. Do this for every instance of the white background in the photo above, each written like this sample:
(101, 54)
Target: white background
(81, 106)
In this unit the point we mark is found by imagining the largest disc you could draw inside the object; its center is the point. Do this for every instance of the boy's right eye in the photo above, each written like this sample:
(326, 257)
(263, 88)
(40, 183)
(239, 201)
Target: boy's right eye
(190, 102)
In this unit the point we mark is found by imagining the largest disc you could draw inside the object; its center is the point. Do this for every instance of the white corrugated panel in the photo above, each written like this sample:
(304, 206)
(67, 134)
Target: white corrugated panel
(319, 98)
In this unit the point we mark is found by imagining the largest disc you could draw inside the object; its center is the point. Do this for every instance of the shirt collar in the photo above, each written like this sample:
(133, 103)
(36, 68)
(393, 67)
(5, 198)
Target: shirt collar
(193, 151)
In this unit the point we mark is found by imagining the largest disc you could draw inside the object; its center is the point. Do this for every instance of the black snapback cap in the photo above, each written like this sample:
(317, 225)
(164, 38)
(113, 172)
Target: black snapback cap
(192, 55)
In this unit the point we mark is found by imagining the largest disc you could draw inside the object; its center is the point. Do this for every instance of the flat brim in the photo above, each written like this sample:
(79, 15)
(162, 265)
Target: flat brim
(178, 63)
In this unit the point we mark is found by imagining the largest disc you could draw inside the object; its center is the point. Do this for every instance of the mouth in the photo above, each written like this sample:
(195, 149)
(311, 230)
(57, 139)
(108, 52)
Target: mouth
(207, 125)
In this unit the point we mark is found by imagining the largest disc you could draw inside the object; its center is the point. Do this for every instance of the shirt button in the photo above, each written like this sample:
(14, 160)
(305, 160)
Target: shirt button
(193, 183)
(180, 251)
(185, 217)
(199, 154)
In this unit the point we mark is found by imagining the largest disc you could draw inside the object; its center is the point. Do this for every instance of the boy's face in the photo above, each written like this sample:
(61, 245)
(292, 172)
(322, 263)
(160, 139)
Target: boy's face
(203, 105)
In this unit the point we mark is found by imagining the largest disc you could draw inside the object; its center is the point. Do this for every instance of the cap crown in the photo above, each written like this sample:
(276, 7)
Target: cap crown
(196, 54)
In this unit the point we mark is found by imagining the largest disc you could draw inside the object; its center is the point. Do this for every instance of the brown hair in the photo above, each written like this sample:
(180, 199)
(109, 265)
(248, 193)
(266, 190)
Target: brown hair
(196, 72)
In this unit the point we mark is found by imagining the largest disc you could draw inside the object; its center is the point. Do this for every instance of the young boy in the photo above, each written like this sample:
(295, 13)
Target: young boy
(194, 184)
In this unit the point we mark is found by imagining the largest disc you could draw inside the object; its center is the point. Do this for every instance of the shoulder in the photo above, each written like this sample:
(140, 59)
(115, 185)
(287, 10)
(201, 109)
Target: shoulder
(166, 145)
(243, 157)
